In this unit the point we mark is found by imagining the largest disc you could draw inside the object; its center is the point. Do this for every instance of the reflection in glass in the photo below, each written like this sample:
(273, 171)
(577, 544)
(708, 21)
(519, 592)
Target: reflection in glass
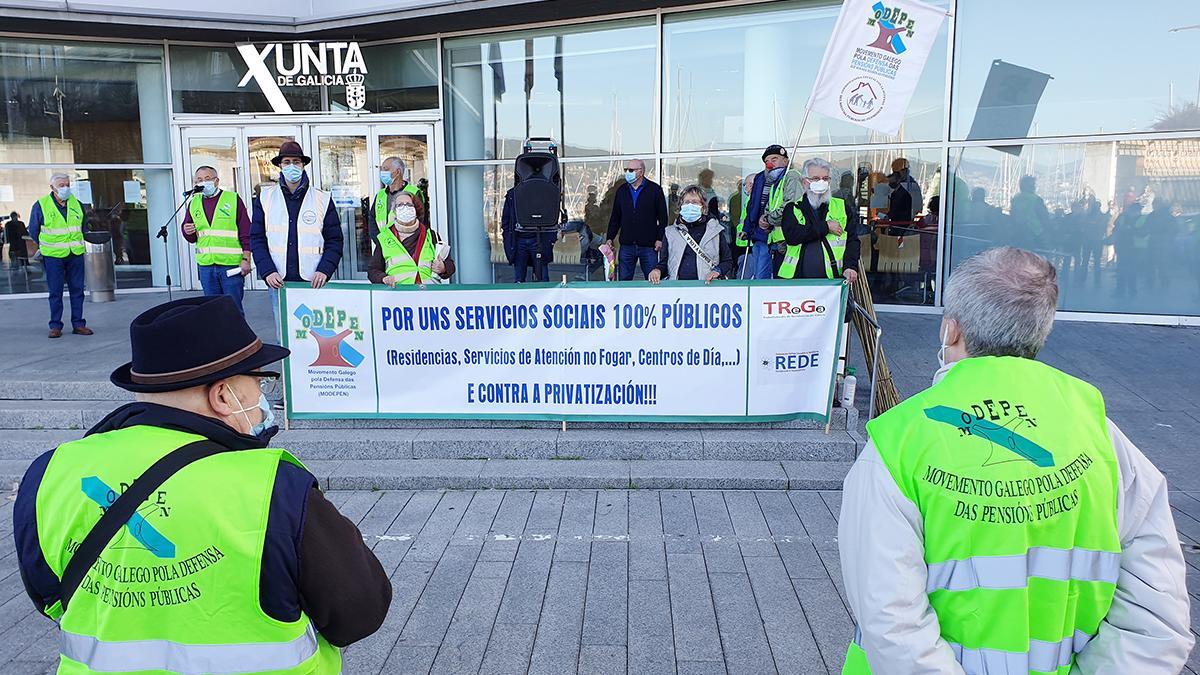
(262, 149)
(400, 77)
(739, 79)
(130, 204)
(588, 189)
(205, 80)
(1118, 219)
(217, 152)
(1106, 92)
(82, 103)
(591, 89)
(414, 150)
(344, 174)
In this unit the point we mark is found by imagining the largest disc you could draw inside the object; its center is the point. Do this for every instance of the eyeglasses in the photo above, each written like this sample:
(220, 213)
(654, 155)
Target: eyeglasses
(266, 378)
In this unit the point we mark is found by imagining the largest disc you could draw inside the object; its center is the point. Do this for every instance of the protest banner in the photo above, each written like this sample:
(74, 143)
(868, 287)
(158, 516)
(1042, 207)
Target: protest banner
(683, 351)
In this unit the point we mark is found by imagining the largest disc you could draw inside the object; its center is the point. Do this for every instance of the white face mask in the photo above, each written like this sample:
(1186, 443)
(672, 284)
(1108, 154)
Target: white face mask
(406, 213)
(209, 188)
(818, 187)
(63, 192)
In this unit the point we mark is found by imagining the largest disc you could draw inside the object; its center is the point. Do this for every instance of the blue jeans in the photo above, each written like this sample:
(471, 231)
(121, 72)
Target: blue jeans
(58, 271)
(756, 264)
(214, 279)
(527, 249)
(629, 255)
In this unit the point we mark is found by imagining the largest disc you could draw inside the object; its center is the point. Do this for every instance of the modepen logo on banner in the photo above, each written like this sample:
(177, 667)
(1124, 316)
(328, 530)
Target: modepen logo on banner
(305, 64)
(873, 61)
(331, 328)
(778, 309)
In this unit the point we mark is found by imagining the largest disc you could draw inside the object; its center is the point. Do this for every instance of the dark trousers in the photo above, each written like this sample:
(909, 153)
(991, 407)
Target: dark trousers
(70, 271)
(527, 250)
(631, 254)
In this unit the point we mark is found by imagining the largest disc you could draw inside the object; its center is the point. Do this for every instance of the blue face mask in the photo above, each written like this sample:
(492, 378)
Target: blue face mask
(292, 173)
(690, 213)
(268, 423)
(385, 177)
(630, 176)
(776, 173)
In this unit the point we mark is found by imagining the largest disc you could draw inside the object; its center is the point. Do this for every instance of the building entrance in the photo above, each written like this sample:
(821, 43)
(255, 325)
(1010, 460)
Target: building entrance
(346, 160)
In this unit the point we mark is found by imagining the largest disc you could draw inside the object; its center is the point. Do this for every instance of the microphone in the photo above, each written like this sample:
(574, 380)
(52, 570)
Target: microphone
(194, 191)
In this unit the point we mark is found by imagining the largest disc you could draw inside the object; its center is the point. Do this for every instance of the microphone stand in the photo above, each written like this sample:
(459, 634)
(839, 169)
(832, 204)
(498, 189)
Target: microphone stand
(162, 234)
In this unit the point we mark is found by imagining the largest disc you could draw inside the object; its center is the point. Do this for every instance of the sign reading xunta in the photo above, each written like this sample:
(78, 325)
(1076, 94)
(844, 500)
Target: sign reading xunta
(305, 64)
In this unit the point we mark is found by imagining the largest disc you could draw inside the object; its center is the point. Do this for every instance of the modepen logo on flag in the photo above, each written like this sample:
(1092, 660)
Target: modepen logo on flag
(874, 60)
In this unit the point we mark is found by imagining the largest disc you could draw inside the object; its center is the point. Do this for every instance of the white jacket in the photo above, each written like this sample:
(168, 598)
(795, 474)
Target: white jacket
(881, 541)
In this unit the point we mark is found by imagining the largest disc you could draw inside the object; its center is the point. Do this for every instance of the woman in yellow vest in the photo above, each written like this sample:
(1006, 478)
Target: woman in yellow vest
(998, 522)
(408, 251)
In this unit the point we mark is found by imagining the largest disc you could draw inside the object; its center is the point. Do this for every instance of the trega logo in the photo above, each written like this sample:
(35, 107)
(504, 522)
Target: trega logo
(773, 309)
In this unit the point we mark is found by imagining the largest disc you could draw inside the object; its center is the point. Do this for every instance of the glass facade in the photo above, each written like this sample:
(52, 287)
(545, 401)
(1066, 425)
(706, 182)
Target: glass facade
(1089, 161)
(97, 112)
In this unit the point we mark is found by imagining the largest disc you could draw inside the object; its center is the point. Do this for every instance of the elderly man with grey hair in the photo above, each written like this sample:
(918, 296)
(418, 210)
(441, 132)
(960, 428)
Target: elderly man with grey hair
(392, 174)
(998, 522)
(56, 226)
(819, 232)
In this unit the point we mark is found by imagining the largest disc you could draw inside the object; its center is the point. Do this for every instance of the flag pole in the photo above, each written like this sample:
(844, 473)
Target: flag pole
(800, 134)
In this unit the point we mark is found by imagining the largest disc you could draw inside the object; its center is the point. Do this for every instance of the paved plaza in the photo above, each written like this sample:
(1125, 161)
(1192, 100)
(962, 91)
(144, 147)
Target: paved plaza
(621, 581)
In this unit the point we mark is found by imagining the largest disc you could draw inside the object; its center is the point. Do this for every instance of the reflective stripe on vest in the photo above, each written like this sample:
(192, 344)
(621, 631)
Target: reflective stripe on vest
(217, 242)
(398, 263)
(381, 204)
(60, 237)
(837, 243)
(310, 223)
(1042, 657)
(192, 659)
(1014, 571)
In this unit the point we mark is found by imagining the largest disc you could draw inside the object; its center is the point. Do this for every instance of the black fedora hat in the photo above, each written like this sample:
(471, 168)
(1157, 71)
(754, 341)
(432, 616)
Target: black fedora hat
(291, 149)
(191, 342)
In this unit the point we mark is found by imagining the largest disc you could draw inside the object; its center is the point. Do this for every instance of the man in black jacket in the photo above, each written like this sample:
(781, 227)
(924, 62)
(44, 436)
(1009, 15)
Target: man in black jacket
(639, 214)
(195, 370)
(812, 231)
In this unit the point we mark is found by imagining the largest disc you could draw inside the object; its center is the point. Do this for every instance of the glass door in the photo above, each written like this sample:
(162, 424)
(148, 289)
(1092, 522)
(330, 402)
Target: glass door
(413, 143)
(342, 166)
(219, 148)
(260, 145)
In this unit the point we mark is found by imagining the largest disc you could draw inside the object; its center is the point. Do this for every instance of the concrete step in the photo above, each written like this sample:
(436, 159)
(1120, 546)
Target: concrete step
(85, 413)
(61, 390)
(591, 444)
(518, 444)
(56, 414)
(415, 474)
(840, 421)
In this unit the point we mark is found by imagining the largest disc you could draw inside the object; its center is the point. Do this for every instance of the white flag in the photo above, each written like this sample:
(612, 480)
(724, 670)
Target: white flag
(874, 59)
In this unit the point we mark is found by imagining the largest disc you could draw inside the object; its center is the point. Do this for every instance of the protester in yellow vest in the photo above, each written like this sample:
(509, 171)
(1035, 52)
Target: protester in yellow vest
(408, 251)
(819, 232)
(216, 221)
(998, 522)
(56, 226)
(392, 175)
(229, 561)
